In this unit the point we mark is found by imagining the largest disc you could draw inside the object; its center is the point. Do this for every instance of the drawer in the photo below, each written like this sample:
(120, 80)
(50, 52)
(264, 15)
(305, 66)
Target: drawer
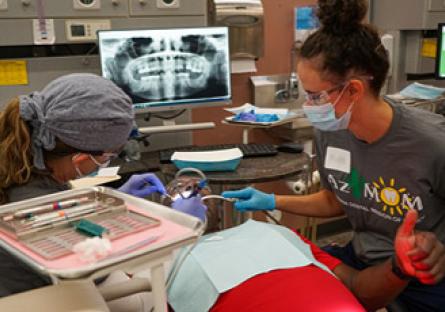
(436, 5)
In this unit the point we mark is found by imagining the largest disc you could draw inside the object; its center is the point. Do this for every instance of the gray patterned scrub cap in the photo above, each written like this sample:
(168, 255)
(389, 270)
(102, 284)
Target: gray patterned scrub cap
(84, 111)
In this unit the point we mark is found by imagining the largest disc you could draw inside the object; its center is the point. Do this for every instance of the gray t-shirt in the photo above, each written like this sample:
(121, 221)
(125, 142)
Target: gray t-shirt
(16, 276)
(38, 185)
(377, 183)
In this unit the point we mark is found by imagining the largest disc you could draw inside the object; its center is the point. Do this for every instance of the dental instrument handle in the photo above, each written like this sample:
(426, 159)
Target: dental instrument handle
(168, 196)
(60, 213)
(218, 197)
(45, 208)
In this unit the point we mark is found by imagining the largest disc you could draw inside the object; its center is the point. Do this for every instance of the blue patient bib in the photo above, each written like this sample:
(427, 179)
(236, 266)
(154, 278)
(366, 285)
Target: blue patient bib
(223, 260)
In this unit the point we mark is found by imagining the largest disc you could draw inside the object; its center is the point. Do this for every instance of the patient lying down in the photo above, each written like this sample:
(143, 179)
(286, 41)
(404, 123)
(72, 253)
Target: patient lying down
(263, 267)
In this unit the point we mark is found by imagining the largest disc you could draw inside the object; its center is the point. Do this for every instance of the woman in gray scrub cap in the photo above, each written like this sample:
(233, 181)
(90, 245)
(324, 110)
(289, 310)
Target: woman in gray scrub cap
(75, 125)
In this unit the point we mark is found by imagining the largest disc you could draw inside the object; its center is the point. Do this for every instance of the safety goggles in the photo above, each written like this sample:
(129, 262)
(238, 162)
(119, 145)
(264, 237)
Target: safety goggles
(69, 151)
(109, 154)
(322, 97)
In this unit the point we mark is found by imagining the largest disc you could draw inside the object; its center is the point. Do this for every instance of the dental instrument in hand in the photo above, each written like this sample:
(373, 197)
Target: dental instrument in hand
(201, 184)
(213, 196)
(167, 195)
(232, 200)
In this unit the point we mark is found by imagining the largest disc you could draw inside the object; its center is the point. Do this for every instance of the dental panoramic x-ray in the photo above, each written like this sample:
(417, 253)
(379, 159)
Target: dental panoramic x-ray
(164, 66)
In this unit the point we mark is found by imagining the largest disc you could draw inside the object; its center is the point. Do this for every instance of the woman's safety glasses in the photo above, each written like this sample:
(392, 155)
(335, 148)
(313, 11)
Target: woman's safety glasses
(322, 97)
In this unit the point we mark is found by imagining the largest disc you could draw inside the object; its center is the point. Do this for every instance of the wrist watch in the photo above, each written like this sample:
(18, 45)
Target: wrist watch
(398, 271)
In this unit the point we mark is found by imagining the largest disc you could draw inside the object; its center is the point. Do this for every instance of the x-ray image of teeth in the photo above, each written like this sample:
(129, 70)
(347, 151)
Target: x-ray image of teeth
(170, 66)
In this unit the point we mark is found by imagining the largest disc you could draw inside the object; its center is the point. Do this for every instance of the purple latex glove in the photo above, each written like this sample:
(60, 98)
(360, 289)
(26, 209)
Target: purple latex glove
(192, 206)
(142, 185)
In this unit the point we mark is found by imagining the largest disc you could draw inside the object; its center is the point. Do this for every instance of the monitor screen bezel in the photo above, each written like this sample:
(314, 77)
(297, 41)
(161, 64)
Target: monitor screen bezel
(181, 104)
(439, 59)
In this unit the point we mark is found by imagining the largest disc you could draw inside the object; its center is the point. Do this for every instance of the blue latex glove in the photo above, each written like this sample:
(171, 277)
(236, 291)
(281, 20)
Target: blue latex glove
(142, 185)
(192, 206)
(251, 199)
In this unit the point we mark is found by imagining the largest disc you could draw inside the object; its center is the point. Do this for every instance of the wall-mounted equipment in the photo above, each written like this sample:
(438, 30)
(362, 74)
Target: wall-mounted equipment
(86, 4)
(440, 52)
(3, 4)
(168, 4)
(43, 39)
(413, 38)
(85, 30)
(245, 20)
(58, 37)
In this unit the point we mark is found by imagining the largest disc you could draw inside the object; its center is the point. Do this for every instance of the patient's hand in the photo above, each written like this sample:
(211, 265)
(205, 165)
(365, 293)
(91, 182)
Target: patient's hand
(420, 254)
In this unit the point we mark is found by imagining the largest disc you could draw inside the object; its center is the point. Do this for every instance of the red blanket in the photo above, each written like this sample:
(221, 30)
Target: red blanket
(306, 289)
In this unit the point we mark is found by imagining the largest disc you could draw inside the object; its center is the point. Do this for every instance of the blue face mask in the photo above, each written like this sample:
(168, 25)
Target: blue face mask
(100, 166)
(323, 116)
(92, 174)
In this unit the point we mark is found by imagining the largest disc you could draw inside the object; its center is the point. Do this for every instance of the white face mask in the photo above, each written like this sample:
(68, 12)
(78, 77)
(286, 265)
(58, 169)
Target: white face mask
(323, 116)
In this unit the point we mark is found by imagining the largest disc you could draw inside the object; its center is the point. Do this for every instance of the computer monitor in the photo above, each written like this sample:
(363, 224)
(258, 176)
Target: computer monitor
(440, 55)
(168, 69)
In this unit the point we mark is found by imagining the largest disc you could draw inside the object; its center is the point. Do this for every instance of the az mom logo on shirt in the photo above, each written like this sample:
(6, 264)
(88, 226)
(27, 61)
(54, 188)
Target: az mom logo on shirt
(391, 199)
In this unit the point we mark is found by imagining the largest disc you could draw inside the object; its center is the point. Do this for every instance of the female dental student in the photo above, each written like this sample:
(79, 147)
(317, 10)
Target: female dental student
(377, 160)
(74, 126)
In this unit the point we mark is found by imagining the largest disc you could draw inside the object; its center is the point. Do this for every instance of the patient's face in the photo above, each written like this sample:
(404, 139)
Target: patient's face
(183, 187)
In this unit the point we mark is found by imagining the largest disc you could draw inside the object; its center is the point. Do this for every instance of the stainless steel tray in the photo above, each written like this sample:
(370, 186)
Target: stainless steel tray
(193, 225)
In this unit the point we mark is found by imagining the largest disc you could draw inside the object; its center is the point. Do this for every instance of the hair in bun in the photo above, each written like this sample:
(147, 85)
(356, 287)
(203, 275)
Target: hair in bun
(341, 16)
(345, 46)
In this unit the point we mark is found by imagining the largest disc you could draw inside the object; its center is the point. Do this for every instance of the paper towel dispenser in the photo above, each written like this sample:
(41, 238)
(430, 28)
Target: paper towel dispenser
(245, 19)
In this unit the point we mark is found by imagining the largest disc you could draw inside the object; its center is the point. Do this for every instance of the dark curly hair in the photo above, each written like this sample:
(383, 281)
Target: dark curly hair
(344, 46)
